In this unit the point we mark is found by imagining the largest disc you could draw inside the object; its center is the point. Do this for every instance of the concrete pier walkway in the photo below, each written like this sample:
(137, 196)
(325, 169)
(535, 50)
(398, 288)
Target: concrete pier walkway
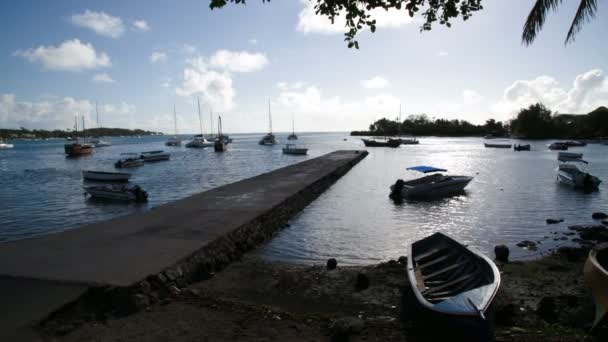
(39, 275)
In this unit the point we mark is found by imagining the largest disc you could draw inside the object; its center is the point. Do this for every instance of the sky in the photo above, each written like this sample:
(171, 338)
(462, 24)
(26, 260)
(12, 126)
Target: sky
(138, 60)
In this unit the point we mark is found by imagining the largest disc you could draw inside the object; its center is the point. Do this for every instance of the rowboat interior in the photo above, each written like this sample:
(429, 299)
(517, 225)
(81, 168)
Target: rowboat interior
(451, 278)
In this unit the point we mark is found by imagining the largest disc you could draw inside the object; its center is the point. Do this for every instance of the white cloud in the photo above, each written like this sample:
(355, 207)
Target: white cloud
(586, 93)
(188, 49)
(214, 87)
(103, 78)
(310, 22)
(253, 41)
(71, 55)
(100, 22)
(141, 25)
(238, 61)
(158, 57)
(442, 54)
(471, 97)
(377, 82)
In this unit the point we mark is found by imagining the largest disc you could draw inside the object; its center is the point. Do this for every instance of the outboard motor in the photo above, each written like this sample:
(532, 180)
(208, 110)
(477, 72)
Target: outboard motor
(396, 189)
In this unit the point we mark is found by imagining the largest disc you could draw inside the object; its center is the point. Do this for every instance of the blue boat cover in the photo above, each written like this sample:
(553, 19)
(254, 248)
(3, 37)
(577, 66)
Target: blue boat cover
(426, 169)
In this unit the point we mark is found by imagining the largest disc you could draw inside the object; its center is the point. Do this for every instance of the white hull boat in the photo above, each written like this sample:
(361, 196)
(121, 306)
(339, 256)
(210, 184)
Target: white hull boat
(432, 186)
(102, 176)
(293, 150)
(570, 174)
(118, 193)
(448, 278)
(152, 156)
(97, 142)
(199, 142)
(5, 145)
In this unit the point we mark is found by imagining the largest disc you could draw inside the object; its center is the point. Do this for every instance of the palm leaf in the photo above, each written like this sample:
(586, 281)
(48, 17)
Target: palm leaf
(536, 19)
(586, 11)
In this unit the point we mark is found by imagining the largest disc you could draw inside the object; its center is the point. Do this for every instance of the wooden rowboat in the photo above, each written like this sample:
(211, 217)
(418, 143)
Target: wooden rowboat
(449, 278)
(596, 276)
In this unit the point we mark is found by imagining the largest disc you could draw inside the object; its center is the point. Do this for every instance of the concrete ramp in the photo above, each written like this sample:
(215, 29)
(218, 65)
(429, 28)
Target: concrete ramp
(172, 241)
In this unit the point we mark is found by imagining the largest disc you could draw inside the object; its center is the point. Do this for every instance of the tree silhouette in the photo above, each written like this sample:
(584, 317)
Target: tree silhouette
(536, 19)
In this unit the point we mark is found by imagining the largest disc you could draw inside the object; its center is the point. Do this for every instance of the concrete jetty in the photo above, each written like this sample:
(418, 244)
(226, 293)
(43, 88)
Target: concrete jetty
(144, 255)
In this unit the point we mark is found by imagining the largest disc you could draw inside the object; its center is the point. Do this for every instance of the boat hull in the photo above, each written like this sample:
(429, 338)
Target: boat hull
(596, 277)
(106, 176)
(521, 147)
(173, 142)
(117, 193)
(577, 179)
(74, 150)
(295, 151)
(129, 162)
(394, 143)
(448, 278)
(430, 187)
(497, 145)
(153, 156)
(3, 145)
(198, 143)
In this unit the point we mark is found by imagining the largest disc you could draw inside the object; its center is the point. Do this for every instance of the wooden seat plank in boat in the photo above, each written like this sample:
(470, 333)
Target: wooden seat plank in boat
(447, 285)
(435, 261)
(443, 270)
(433, 251)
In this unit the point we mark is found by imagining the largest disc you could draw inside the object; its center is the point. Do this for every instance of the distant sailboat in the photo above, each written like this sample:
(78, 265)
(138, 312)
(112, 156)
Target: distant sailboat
(199, 141)
(293, 135)
(269, 138)
(97, 141)
(220, 142)
(175, 141)
(77, 149)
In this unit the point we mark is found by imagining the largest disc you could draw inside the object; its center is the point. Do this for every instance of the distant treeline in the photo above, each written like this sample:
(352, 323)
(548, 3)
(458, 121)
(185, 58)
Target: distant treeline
(43, 134)
(534, 122)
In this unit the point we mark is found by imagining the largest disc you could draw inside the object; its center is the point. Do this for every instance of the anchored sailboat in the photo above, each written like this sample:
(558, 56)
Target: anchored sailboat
(199, 141)
(269, 138)
(293, 135)
(175, 141)
(97, 141)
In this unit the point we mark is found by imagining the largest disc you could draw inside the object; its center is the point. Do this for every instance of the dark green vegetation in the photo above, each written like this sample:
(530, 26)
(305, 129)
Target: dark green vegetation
(357, 13)
(534, 122)
(537, 122)
(44, 134)
(422, 125)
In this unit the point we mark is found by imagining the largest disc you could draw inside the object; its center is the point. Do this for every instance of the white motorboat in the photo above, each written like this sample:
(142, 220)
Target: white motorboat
(152, 156)
(571, 175)
(5, 145)
(102, 176)
(433, 186)
(269, 139)
(294, 150)
(175, 141)
(98, 142)
(129, 162)
(118, 192)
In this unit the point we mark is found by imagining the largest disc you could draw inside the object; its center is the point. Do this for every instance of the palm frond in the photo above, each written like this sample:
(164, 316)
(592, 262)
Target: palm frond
(586, 11)
(536, 19)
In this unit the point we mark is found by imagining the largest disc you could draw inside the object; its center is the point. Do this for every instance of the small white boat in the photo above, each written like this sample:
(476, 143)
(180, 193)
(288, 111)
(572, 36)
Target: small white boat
(102, 176)
(118, 192)
(294, 150)
(571, 175)
(98, 142)
(199, 142)
(151, 156)
(129, 162)
(5, 145)
(449, 278)
(433, 186)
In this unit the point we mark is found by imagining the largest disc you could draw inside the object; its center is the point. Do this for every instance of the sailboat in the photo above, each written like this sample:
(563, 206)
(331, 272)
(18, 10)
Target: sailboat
(77, 149)
(220, 142)
(199, 141)
(407, 141)
(175, 141)
(97, 141)
(269, 138)
(293, 135)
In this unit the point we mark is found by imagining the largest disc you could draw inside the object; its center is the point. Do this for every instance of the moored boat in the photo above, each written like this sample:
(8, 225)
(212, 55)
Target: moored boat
(5, 145)
(175, 141)
(450, 279)
(118, 192)
(436, 185)
(152, 156)
(571, 175)
(497, 145)
(521, 147)
(596, 276)
(394, 143)
(569, 155)
(575, 143)
(220, 143)
(409, 141)
(199, 141)
(559, 146)
(129, 162)
(103, 176)
(77, 149)
(269, 139)
(294, 150)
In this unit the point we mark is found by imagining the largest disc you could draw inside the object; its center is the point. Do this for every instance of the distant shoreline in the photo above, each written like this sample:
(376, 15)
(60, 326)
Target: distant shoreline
(45, 134)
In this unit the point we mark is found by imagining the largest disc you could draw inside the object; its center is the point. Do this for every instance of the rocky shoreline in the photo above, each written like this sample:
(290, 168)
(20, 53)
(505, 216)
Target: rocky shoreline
(258, 300)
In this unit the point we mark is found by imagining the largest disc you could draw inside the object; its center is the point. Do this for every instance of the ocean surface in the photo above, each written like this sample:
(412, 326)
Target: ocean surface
(510, 197)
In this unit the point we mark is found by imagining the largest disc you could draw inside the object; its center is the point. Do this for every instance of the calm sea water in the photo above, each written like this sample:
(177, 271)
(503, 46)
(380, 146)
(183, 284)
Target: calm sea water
(355, 221)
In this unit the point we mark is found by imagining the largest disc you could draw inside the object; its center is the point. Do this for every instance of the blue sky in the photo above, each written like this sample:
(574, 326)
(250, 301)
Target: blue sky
(138, 59)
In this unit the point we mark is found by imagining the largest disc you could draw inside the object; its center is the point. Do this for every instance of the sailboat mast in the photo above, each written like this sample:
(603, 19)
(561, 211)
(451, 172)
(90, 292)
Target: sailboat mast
(84, 135)
(76, 126)
(174, 122)
(399, 126)
(219, 127)
(269, 118)
(97, 114)
(200, 120)
(293, 125)
(211, 121)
